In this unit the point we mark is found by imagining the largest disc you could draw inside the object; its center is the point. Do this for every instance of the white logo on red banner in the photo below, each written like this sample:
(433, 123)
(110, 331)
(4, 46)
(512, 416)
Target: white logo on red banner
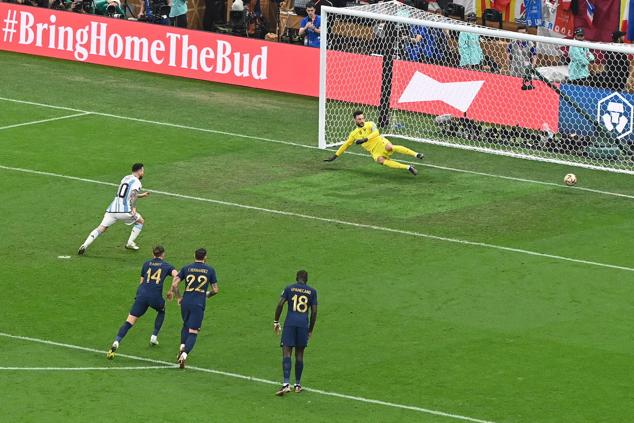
(459, 95)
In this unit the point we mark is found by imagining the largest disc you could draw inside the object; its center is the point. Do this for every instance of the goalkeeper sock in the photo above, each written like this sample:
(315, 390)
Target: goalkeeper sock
(286, 367)
(394, 164)
(403, 150)
(136, 230)
(93, 235)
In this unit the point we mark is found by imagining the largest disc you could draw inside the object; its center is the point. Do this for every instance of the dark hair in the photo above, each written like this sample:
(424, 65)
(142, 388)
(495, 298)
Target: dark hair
(310, 5)
(302, 276)
(201, 253)
(137, 167)
(357, 113)
(616, 35)
(158, 250)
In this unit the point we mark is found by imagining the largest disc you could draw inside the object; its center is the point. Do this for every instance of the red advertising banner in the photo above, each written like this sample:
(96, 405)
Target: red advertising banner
(416, 87)
(160, 49)
(436, 90)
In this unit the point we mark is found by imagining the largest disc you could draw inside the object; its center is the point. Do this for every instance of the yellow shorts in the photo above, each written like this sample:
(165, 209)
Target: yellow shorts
(380, 151)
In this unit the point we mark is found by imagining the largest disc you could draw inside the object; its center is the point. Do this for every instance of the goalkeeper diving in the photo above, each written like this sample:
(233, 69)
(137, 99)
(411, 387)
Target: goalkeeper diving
(367, 136)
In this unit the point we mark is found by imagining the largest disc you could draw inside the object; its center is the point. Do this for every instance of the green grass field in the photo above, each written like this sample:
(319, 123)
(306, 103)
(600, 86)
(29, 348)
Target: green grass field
(454, 331)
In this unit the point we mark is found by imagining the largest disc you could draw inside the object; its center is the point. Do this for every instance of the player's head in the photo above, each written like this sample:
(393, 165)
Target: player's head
(359, 118)
(138, 170)
(201, 254)
(158, 251)
(310, 9)
(302, 276)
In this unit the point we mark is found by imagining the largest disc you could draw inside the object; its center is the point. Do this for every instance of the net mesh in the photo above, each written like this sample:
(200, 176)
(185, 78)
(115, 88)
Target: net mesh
(461, 85)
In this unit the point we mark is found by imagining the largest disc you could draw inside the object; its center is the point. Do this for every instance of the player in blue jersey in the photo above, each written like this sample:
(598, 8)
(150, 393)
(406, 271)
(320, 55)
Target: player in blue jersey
(148, 294)
(200, 284)
(122, 208)
(297, 329)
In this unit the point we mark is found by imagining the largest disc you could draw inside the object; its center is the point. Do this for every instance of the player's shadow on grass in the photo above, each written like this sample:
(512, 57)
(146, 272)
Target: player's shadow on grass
(374, 174)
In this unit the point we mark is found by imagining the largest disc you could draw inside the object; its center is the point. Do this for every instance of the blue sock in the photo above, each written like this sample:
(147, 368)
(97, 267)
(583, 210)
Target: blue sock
(184, 334)
(158, 322)
(286, 366)
(123, 330)
(299, 368)
(191, 341)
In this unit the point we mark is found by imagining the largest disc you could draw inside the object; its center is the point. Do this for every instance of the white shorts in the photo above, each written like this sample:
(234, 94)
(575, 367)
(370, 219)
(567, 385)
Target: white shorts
(110, 219)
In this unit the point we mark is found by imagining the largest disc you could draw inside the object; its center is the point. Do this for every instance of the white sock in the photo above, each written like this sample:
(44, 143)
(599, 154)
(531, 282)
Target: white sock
(93, 235)
(182, 347)
(136, 230)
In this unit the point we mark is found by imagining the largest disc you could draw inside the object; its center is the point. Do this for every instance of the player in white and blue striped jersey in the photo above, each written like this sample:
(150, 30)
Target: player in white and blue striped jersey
(122, 208)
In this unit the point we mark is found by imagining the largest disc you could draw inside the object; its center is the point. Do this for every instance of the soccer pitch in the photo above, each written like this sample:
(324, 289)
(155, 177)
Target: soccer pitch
(482, 290)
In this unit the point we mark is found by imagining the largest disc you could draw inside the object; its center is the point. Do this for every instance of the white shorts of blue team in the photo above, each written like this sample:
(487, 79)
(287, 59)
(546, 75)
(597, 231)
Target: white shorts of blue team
(110, 219)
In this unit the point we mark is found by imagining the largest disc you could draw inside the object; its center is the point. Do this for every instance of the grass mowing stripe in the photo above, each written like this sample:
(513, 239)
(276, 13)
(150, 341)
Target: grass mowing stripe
(290, 143)
(253, 379)
(341, 222)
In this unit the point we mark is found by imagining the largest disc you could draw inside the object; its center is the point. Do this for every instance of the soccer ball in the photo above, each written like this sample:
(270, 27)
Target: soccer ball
(570, 179)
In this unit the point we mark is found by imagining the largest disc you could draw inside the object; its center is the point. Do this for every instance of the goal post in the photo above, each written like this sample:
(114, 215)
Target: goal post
(428, 78)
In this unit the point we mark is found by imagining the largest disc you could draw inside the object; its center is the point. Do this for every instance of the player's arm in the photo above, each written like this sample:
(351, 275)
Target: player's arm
(141, 280)
(374, 133)
(213, 291)
(313, 319)
(174, 287)
(303, 24)
(278, 314)
(170, 292)
(342, 149)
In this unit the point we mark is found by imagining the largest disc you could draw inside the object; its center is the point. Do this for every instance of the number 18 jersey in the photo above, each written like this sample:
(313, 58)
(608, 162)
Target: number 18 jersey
(300, 298)
(122, 202)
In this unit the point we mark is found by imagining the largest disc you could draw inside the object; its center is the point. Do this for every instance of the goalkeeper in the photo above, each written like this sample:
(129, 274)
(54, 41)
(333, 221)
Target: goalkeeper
(367, 135)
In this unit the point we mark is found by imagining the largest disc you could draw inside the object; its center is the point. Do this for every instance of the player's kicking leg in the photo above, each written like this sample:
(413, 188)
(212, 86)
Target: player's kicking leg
(91, 238)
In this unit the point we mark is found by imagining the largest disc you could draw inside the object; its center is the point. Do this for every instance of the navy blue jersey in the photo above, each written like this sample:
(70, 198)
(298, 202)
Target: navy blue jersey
(198, 277)
(154, 273)
(300, 298)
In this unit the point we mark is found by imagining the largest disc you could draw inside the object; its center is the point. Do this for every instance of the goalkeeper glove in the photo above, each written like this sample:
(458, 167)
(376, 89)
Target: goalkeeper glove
(330, 159)
(361, 141)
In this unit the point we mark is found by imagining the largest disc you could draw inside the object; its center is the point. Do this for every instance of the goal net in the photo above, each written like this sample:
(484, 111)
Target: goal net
(428, 78)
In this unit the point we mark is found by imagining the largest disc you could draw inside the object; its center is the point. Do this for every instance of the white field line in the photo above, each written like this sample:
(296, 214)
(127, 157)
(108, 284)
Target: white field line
(84, 369)
(340, 222)
(293, 144)
(35, 122)
(253, 379)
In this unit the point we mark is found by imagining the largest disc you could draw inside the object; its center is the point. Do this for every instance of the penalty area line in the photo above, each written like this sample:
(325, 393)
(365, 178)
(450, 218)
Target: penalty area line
(36, 122)
(252, 379)
(342, 222)
(314, 147)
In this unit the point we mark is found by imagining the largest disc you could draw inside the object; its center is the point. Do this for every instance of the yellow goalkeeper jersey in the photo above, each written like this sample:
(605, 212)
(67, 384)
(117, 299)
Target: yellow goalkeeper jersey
(369, 131)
